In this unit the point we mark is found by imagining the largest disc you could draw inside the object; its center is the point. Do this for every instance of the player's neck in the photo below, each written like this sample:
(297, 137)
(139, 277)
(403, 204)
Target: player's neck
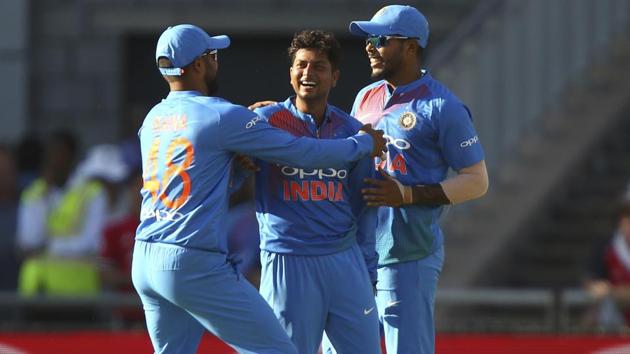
(406, 75)
(317, 109)
(188, 86)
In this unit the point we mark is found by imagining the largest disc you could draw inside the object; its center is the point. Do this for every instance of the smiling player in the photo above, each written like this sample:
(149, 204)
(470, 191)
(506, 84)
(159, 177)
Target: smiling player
(429, 130)
(317, 237)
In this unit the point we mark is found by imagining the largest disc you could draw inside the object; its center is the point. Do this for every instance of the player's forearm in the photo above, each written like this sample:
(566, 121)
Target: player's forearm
(470, 183)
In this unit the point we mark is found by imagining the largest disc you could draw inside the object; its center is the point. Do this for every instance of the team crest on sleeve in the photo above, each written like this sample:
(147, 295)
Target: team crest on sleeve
(407, 120)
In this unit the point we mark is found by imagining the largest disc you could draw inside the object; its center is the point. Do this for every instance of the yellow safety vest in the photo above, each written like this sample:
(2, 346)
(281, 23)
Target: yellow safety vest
(54, 275)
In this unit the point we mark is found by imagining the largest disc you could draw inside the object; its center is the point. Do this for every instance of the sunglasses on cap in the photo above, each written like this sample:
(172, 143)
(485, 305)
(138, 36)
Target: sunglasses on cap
(381, 41)
(213, 52)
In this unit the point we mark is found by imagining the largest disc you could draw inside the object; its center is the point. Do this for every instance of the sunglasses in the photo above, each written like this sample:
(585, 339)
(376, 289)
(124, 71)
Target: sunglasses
(381, 41)
(213, 52)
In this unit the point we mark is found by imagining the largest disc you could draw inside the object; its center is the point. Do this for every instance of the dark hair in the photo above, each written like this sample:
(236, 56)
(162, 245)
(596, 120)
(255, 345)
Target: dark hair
(66, 139)
(29, 152)
(316, 39)
(164, 62)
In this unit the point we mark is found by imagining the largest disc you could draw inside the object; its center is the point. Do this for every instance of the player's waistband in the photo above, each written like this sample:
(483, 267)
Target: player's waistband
(165, 256)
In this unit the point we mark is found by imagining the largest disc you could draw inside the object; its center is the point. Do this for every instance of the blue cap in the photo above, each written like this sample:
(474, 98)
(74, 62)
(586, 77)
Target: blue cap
(392, 20)
(182, 44)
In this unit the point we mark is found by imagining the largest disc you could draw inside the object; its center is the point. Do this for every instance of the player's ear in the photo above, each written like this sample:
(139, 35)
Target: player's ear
(198, 64)
(411, 47)
(335, 77)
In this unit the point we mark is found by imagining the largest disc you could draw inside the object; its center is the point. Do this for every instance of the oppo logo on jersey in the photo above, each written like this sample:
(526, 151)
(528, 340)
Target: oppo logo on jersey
(400, 144)
(252, 122)
(315, 190)
(469, 142)
(398, 163)
(160, 214)
(319, 173)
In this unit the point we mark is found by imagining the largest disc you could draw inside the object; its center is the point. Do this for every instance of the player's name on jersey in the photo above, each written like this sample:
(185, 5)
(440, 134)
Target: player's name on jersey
(169, 123)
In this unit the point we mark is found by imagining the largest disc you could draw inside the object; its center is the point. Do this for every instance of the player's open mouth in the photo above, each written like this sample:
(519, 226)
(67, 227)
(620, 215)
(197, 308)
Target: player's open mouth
(308, 83)
(374, 61)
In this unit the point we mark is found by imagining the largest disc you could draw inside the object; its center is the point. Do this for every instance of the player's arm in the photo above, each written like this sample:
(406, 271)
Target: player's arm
(245, 132)
(242, 167)
(469, 183)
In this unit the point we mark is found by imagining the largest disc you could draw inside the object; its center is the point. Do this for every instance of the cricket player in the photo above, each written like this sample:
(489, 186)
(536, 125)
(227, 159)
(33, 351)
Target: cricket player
(317, 235)
(428, 130)
(180, 268)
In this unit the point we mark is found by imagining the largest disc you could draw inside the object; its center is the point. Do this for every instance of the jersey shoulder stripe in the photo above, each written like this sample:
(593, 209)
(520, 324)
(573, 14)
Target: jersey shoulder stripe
(285, 120)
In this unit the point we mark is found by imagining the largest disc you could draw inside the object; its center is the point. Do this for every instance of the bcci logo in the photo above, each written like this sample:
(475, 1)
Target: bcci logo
(407, 120)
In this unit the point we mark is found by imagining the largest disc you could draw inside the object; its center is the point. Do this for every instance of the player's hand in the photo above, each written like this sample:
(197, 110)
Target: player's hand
(246, 162)
(384, 192)
(261, 104)
(380, 144)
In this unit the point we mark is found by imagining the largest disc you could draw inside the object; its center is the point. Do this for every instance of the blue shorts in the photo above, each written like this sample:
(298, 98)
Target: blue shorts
(184, 291)
(405, 298)
(313, 294)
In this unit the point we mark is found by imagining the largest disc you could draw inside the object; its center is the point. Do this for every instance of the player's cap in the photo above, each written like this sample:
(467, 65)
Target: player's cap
(182, 44)
(399, 20)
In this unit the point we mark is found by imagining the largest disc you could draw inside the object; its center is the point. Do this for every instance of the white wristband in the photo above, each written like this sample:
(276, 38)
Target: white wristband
(405, 192)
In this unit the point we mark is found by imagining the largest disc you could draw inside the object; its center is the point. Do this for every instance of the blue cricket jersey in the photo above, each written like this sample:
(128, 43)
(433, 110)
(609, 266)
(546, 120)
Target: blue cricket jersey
(314, 211)
(428, 130)
(188, 142)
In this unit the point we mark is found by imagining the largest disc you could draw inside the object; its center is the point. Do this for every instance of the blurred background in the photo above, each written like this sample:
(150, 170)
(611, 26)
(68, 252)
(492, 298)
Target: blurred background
(539, 265)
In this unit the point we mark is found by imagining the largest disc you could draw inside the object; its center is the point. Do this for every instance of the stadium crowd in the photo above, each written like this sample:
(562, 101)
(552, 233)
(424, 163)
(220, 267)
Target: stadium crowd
(64, 211)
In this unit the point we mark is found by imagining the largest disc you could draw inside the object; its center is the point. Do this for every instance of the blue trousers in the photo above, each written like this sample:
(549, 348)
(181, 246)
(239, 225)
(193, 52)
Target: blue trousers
(184, 291)
(405, 299)
(331, 293)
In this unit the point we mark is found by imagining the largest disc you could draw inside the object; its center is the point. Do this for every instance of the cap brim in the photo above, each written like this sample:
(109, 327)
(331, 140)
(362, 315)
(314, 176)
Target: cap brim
(366, 28)
(219, 42)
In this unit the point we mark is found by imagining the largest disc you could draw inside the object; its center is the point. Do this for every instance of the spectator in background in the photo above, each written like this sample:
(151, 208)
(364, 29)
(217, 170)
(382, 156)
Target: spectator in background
(117, 250)
(8, 219)
(28, 156)
(118, 240)
(608, 279)
(61, 219)
(61, 153)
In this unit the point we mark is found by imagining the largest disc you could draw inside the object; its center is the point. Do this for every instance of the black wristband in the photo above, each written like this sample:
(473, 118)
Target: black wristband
(429, 195)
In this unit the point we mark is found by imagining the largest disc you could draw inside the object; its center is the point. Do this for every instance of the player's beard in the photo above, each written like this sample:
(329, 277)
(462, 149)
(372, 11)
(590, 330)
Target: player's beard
(212, 84)
(389, 69)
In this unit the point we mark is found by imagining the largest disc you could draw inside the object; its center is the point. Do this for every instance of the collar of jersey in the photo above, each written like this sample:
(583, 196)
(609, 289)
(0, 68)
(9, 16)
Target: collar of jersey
(177, 94)
(412, 85)
(288, 104)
